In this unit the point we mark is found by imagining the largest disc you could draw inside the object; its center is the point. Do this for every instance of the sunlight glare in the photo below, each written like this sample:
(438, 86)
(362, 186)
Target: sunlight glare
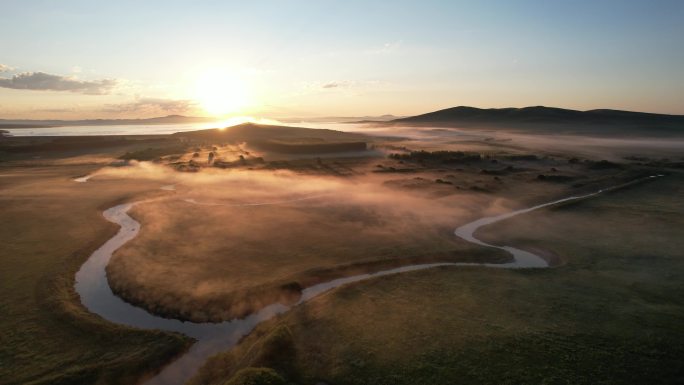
(220, 92)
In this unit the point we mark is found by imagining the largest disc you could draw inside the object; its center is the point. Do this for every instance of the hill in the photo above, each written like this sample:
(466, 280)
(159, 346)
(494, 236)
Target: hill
(282, 139)
(601, 121)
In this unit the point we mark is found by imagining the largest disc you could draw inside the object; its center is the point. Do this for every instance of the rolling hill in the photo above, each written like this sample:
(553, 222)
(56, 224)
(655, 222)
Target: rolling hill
(601, 121)
(283, 139)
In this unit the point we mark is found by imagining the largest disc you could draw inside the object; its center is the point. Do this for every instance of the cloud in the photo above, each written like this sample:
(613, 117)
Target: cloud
(58, 110)
(347, 84)
(335, 84)
(47, 82)
(153, 105)
(5, 68)
(345, 87)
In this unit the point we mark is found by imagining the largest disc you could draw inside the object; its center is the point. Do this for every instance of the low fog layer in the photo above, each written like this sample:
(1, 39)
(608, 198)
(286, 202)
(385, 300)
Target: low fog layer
(239, 240)
(245, 186)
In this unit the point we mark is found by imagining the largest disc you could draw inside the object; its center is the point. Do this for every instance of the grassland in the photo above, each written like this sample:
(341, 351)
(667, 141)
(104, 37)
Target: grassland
(612, 314)
(611, 309)
(234, 260)
(50, 226)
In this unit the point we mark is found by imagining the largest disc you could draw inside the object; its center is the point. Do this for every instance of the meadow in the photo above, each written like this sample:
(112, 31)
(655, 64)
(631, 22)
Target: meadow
(342, 193)
(228, 228)
(50, 226)
(610, 314)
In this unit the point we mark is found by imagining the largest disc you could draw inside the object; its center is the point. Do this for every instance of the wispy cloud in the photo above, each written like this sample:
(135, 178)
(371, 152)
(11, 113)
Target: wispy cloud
(41, 81)
(151, 106)
(342, 87)
(334, 84)
(5, 68)
(347, 84)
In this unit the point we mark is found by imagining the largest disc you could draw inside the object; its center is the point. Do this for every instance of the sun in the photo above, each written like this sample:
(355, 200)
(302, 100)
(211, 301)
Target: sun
(221, 93)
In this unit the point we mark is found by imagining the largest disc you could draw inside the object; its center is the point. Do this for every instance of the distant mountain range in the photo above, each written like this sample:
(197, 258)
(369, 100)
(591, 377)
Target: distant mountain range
(170, 119)
(530, 119)
(533, 117)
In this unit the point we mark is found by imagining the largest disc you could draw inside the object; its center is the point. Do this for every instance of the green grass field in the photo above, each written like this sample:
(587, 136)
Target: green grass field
(612, 314)
(50, 226)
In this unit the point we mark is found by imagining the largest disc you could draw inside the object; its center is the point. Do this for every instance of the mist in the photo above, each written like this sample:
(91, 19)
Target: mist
(226, 242)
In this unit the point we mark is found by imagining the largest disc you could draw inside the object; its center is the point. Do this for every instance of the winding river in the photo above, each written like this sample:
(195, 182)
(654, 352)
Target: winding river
(212, 338)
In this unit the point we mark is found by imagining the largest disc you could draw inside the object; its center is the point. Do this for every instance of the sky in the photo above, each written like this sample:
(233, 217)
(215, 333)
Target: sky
(282, 58)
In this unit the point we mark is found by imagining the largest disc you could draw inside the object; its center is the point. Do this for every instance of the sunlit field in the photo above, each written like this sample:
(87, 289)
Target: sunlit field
(230, 227)
(341, 193)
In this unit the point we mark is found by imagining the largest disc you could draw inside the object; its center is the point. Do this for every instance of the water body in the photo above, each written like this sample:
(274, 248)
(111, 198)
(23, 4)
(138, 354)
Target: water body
(96, 295)
(166, 129)
(149, 129)
(162, 129)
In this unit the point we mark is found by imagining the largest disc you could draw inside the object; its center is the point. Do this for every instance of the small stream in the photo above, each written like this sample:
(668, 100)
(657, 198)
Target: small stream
(96, 295)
